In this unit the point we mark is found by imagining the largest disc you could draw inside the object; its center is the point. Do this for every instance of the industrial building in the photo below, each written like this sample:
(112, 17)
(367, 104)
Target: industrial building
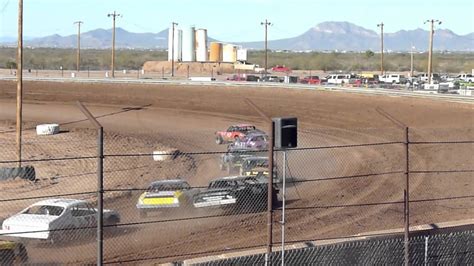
(191, 45)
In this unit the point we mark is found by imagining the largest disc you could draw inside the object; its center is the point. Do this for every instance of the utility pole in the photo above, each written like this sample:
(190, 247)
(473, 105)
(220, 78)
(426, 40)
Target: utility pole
(19, 82)
(266, 23)
(411, 61)
(172, 47)
(78, 64)
(430, 52)
(113, 15)
(381, 47)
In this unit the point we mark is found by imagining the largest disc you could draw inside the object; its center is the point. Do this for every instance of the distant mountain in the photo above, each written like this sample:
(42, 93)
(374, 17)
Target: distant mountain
(102, 39)
(350, 37)
(342, 36)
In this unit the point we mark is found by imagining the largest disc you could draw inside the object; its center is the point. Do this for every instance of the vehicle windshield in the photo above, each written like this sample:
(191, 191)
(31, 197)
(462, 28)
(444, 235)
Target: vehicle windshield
(223, 184)
(44, 210)
(250, 164)
(168, 187)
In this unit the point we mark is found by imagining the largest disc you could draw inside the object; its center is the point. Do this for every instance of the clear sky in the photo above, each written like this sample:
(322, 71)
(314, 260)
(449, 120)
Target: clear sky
(232, 20)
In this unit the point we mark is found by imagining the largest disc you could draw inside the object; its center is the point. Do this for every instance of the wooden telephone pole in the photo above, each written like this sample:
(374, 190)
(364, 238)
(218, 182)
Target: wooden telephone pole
(113, 15)
(78, 59)
(19, 84)
(266, 23)
(381, 47)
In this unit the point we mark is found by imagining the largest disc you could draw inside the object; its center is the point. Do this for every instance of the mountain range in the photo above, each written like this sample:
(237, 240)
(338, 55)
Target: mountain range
(342, 36)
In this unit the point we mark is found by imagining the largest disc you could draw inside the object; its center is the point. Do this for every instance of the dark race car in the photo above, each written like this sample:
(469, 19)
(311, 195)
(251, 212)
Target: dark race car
(235, 193)
(232, 159)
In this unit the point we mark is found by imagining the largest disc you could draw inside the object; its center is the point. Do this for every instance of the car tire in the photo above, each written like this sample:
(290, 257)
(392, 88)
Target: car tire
(113, 220)
(219, 140)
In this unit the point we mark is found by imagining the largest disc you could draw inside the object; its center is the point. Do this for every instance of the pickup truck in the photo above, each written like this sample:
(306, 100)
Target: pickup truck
(465, 77)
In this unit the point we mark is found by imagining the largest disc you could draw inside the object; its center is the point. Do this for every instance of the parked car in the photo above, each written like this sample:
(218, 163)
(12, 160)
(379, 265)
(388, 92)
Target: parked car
(338, 79)
(393, 78)
(165, 194)
(238, 193)
(271, 79)
(13, 253)
(236, 78)
(280, 68)
(290, 79)
(434, 77)
(253, 78)
(311, 80)
(56, 220)
(254, 140)
(234, 132)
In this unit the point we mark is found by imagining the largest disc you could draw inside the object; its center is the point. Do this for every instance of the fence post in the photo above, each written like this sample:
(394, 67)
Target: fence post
(100, 196)
(270, 182)
(100, 182)
(283, 218)
(407, 198)
(426, 249)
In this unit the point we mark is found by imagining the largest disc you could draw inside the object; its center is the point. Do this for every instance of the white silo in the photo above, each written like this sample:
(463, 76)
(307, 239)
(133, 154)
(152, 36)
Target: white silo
(178, 45)
(189, 45)
(201, 45)
(242, 54)
(229, 53)
(178, 37)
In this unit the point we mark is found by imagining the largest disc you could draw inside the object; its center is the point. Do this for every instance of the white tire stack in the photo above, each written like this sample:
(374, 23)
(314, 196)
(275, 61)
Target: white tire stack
(47, 129)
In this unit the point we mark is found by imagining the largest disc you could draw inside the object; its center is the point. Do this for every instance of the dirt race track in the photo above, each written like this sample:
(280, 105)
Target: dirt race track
(141, 118)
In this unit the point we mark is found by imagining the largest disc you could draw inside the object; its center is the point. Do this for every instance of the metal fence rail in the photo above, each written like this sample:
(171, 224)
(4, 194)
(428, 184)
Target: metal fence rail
(447, 249)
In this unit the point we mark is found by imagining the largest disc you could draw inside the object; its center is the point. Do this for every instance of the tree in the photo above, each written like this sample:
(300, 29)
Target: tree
(10, 65)
(369, 53)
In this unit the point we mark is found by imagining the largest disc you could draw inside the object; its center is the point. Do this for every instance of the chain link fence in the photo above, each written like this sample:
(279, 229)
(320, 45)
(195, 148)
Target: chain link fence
(171, 198)
(447, 248)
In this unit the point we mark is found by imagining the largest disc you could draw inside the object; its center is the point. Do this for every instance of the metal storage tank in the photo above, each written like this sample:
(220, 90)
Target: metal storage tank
(241, 54)
(215, 54)
(229, 53)
(201, 45)
(177, 43)
(188, 45)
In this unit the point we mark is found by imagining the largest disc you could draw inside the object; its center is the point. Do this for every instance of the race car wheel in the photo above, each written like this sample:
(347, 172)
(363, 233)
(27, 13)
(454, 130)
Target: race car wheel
(219, 140)
(113, 220)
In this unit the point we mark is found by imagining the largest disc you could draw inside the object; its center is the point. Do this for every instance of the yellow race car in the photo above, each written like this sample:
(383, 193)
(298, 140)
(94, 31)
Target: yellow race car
(165, 194)
(12, 253)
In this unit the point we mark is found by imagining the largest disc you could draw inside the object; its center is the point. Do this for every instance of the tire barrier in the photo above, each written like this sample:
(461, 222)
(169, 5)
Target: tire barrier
(26, 172)
(47, 129)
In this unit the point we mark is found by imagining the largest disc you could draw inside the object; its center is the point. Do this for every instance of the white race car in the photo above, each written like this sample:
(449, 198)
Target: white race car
(55, 219)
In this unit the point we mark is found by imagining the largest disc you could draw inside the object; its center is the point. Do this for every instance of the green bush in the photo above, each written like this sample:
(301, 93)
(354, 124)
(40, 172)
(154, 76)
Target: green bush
(93, 59)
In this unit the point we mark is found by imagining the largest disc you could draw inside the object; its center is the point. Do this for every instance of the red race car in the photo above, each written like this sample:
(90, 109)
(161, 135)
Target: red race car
(234, 132)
